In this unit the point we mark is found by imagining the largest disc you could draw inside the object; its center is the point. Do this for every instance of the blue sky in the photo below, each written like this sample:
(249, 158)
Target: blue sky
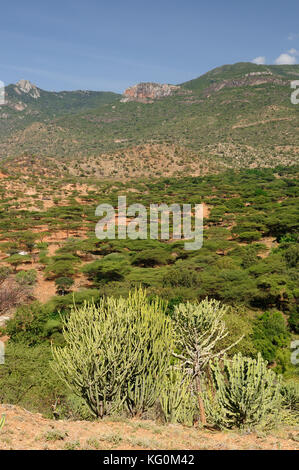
(110, 45)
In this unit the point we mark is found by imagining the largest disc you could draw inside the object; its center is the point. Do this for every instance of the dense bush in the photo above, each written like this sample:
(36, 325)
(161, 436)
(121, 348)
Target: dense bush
(270, 335)
(250, 236)
(290, 397)
(27, 380)
(245, 393)
(107, 270)
(27, 325)
(150, 258)
(63, 284)
(180, 275)
(5, 272)
(27, 278)
(63, 265)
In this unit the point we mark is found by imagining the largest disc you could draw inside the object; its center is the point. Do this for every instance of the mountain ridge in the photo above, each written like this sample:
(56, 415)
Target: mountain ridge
(235, 70)
(244, 107)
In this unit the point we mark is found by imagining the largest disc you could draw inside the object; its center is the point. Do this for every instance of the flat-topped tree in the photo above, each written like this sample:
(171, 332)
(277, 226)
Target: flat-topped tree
(63, 285)
(17, 260)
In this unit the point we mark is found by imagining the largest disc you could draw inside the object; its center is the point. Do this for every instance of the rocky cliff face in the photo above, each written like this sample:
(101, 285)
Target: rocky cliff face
(147, 92)
(24, 86)
(16, 96)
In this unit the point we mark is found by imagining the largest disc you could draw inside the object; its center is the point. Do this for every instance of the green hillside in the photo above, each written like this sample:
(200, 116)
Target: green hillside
(234, 116)
(22, 108)
(238, 71)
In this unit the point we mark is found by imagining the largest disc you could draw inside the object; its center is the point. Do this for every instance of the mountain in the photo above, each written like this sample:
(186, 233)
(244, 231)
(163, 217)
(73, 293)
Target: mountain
(33, 100)
(25, 104)
(242, 74)
(234, 116)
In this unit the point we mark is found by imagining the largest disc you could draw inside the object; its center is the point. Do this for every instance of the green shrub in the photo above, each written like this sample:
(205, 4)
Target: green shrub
(63, 284)
(107, 270)
(246, 394)
(291, 255)
(180, 275)
(5, 272)
(290, 396)
(60, 268)
(27, 324)
(26, 278)
(294, 319)
(151, 258)
(27, 380)
(270, 335)
(16, 260)
(250, 236)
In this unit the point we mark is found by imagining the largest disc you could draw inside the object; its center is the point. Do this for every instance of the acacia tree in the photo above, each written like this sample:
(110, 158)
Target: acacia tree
(199, 330)
(63, 285)
(27, 239)
(17, 260)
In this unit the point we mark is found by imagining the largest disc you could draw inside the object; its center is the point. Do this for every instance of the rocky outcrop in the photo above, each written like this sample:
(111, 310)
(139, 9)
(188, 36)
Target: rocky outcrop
(147, 92)
(18, 106)
(252, 79)
(24, 86)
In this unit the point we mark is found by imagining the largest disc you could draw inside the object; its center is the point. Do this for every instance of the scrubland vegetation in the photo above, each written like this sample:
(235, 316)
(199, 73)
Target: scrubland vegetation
(246, 122)
(144, 329)
(76, 296)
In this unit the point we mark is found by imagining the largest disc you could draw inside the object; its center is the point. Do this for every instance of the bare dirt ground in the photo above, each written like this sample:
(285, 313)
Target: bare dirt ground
(206, 210)
(24, 430)
(270, 243)
(43, 290)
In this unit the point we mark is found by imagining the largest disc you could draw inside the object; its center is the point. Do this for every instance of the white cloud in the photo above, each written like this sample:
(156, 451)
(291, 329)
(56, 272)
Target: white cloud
(293, 51)
(259, 60)
(285, 59)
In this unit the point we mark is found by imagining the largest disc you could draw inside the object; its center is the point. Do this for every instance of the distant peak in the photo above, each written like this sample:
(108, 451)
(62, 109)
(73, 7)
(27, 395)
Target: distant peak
(26, 86)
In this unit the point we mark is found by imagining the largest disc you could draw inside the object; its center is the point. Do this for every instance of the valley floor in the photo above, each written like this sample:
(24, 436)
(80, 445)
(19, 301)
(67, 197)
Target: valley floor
(27, 431)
